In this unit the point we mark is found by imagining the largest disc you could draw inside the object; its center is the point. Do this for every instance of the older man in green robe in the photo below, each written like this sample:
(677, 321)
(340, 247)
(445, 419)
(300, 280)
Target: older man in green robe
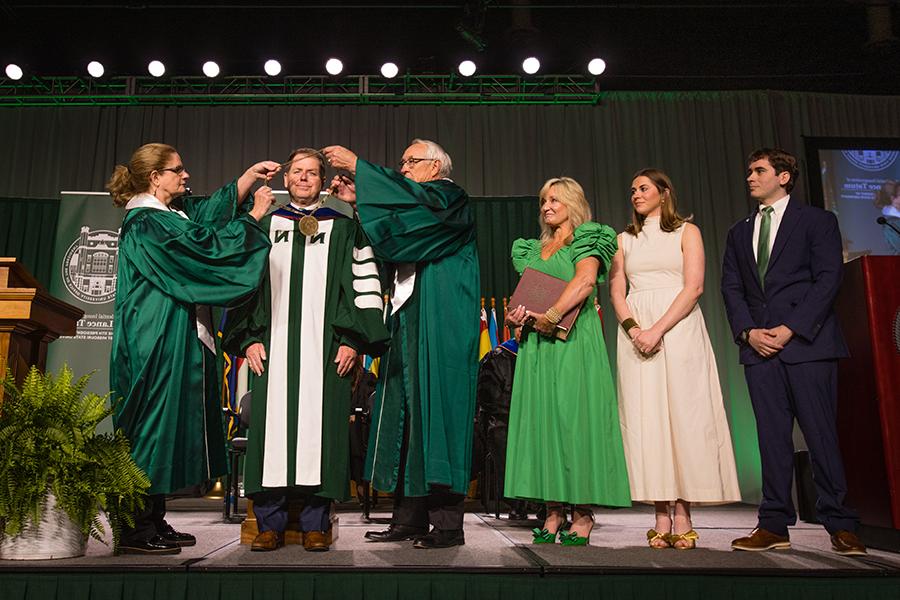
(421, 224)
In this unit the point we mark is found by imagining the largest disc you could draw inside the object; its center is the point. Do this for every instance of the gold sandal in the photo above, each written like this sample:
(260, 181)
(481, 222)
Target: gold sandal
(691, 537)
(654, 535)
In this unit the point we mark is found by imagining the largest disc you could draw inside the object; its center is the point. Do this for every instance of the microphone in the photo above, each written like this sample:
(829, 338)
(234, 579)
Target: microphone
(883, 221)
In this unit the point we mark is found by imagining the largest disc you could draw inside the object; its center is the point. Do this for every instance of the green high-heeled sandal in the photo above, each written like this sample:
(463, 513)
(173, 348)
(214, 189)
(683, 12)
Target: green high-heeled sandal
(542, 536)
(569, 538)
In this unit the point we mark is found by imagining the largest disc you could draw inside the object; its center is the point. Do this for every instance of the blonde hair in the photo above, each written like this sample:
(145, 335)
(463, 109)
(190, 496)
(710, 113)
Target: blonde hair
(669, 219)
(128, 181)
(571, 195)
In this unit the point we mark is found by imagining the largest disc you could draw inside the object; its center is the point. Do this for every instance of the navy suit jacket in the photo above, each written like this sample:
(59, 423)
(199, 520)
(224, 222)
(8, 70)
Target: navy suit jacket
(801, 284)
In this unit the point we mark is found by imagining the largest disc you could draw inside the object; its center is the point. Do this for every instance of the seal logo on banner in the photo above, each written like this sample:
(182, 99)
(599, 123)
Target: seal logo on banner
(871, 160)
(89, 265)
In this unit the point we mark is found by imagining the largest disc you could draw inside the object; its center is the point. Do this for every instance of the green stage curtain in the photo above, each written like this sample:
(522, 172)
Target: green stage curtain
(28, 232)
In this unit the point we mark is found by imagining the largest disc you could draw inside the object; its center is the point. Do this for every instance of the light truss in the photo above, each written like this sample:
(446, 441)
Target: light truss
(313, 89)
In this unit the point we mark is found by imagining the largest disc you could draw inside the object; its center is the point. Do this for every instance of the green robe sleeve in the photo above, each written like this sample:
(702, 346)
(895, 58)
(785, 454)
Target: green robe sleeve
(213, 211)
(408, 221)
(195, 263)
(248, 323)
(359, 322)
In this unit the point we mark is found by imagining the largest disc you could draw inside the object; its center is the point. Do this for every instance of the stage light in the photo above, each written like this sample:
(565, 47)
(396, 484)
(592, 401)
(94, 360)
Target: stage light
(156, 68)
(389, 70)
(531, 65)
(272, 67)
(210, 69)
(14, 72)
(467, 68)
(597, 66)
(95, 69)
(334, 66)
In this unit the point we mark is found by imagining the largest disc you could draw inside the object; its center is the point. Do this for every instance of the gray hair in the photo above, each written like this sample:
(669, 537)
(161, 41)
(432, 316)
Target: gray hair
(434, 150)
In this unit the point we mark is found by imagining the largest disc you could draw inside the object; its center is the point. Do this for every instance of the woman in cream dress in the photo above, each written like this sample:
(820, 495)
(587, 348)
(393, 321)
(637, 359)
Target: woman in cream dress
(677, 443)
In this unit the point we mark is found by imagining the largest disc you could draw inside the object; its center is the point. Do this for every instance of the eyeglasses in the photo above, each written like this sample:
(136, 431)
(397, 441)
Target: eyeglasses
(177, 170)
(412, 161)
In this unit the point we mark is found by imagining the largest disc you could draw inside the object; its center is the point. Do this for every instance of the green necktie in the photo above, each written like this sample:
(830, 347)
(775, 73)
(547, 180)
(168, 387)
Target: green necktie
(762, 244)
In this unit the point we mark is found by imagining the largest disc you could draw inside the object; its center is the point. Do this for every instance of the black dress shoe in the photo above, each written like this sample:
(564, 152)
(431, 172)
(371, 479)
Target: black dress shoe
(441, 538)
(168, 533)
(155, 545)
(396, 533)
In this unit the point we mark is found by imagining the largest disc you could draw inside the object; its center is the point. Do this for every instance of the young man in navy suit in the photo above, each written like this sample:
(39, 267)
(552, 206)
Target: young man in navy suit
(780, 276)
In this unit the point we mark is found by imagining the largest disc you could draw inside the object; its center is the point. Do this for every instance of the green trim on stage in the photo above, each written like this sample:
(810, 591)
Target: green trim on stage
(278, 585)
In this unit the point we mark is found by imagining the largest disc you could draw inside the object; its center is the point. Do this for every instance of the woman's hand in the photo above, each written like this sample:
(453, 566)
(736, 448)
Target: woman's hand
(340, 158)
(343, 188)
(647, 341)
(256, 356)
(542, 324)
(265, 169)
(516, 316)
(262, 201)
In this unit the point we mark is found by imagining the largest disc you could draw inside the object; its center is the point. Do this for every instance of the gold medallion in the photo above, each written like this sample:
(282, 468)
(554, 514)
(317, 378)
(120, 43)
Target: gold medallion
(309, 225)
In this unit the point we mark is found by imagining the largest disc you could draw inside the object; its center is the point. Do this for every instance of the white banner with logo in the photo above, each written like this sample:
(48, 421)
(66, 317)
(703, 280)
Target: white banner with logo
(87, 249)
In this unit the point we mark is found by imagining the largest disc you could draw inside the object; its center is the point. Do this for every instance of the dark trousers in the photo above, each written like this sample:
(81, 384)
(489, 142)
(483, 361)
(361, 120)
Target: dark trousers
(271, 510)
(148, 522)
(806, 392)
(442, 508)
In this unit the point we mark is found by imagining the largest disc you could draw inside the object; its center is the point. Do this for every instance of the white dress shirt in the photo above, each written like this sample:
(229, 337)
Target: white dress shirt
(775, 221)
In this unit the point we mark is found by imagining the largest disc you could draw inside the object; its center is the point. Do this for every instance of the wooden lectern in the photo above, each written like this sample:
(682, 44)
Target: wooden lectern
(30, 318)
(868, 414)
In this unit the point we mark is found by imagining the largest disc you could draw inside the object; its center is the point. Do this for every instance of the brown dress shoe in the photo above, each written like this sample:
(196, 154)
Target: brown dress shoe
(846, 543)
(267, 541)
(316, 541)
(760, 540)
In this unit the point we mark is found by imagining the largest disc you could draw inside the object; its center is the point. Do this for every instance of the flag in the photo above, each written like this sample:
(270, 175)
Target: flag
(371, 364)
(484, 339)
(492, 328)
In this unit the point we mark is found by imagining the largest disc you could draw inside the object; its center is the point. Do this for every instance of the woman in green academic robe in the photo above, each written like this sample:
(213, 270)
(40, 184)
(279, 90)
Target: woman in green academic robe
(172, 265)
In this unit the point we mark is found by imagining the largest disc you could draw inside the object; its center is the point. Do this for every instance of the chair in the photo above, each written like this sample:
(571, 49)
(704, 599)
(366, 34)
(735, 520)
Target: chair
(237, 450)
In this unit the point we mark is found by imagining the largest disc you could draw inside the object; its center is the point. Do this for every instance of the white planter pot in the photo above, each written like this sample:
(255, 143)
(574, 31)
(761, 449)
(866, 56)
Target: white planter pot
(54, 537)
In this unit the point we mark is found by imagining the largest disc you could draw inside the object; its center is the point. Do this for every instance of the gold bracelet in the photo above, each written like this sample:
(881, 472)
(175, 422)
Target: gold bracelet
(553, 315)
(628, 323)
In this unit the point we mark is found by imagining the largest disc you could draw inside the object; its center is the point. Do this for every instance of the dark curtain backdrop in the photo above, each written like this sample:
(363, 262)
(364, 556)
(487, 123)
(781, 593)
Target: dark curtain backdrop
(700, 138)
(28, 232)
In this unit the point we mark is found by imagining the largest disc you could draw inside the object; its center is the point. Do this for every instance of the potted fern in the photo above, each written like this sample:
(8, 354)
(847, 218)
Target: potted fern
(57, 473)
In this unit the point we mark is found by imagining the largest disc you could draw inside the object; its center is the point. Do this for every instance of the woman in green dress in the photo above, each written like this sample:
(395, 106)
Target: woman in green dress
(172, 265)
(565, 445)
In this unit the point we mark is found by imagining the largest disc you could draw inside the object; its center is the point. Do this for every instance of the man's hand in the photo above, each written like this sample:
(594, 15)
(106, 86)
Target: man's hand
(343, 188)
(256, 355)
(781, 335)
(340, 158)
(263, 199)
(344, 360)
(764, 342)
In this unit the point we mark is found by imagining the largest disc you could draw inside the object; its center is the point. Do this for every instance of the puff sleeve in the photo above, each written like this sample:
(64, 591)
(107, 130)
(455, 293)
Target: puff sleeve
(597, 240)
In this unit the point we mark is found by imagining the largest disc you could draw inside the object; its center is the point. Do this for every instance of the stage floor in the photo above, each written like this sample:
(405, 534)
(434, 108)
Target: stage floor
(618, 545)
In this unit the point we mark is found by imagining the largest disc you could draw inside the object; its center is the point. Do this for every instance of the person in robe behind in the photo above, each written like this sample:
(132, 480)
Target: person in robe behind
(564, 444)
(318, 307)
(172, 265)
(420, 222)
